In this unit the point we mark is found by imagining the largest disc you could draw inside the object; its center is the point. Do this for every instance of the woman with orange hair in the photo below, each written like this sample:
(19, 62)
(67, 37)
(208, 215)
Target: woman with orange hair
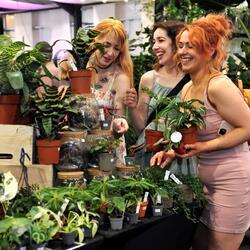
(114, 71)
(222, 150)
(114, 66)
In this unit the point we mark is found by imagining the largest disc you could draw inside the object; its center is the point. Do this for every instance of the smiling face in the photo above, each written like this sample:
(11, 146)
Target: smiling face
(190, 58)
(111, 51)
(163, 47)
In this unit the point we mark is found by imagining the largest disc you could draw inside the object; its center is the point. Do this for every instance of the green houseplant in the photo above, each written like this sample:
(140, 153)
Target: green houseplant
(105, 148)
(50, 116)
(88, 220)
(116, 209)
(154, 137)
(45, 224)
(71, 228)
(14, 232)
(240, 72)
(18, 75)
(182, 120)
(83, 46)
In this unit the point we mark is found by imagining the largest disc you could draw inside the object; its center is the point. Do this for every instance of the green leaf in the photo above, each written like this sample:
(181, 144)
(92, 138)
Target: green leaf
(15, 79)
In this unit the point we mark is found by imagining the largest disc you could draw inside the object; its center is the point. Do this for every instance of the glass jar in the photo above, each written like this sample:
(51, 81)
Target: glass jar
(93, 135)
(88, 112)
(72, 153)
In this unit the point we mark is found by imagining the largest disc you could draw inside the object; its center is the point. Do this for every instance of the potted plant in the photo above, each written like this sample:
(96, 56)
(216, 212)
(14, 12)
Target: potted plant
(140, 186)
(182, 120)
(45, 224)
(18, 76)
(83, 46)
(240, 72)
(105, 148)
(154, 137)
(116, 209)
(14, 232)
(156, 195)
(132, 207)
(71, 228)
(50, 116)
(88, 220)
(8, 190)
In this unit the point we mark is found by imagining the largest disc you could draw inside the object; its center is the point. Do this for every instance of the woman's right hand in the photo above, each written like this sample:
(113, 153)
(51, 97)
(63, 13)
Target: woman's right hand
(40, 91)
(130, 99)
(162, 158)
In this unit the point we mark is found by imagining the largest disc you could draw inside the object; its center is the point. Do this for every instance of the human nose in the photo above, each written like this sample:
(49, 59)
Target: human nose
(155, 46)
(110, 51)
(182, 50)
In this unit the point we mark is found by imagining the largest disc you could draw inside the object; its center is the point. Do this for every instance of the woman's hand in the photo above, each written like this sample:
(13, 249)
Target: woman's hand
(130, 99)
(193, 149)
(120, 126)
(40, 91)
(62, 90)
(162, 158)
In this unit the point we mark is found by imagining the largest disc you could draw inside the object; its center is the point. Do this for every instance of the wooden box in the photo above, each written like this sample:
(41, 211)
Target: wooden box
(13, 139)
(41, 175)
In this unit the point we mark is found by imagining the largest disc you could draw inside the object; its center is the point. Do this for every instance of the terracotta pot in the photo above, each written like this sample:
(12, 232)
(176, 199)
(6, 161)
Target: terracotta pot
(80, 81)
(48, 151)
(189, 136)
(151, 137)
(9, 107)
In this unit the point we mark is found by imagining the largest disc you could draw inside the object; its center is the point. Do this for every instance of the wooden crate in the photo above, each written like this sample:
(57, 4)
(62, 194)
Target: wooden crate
(13, 139)
(37, 174)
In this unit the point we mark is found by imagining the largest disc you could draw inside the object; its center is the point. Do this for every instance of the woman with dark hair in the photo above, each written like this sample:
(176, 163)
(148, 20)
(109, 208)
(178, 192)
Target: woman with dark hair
(222, 150)
(161, 81)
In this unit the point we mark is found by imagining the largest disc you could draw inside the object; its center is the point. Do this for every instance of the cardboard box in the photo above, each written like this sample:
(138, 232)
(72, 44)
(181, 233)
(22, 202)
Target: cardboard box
(13, 139)
(41, 175)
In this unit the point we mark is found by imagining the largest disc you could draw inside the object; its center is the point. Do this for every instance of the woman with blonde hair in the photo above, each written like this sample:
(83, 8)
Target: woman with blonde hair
(222, 150)
(114, 73)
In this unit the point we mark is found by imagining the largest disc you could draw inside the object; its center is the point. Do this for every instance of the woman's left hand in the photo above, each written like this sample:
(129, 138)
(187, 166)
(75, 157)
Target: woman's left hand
(192, 149)
(120, 125)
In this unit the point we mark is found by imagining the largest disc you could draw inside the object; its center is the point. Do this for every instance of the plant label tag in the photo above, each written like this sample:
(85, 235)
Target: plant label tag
(63, 207)
(175, 179)
(72, 65)
(146, 196)
(101, 112)
(158, 199)
(167, 174)
(138, 207)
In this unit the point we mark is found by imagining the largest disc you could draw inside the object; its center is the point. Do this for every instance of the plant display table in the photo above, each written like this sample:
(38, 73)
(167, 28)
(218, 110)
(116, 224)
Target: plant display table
(171, 231)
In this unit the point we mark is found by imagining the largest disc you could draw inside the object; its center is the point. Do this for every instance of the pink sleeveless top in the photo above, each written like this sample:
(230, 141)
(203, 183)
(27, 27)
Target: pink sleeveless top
(213, 121)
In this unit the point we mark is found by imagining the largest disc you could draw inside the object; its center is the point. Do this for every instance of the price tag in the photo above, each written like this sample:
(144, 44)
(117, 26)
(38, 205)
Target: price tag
(167, 174)
(175, 179)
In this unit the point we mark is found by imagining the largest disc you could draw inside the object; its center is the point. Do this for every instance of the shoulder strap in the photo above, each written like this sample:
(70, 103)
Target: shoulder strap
(178, 87)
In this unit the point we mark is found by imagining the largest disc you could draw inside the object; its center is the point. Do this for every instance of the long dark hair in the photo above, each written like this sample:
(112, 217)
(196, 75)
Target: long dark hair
(172, 28)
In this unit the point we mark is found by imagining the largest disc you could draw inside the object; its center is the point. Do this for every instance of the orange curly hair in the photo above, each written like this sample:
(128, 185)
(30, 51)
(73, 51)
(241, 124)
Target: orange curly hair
(212, 31)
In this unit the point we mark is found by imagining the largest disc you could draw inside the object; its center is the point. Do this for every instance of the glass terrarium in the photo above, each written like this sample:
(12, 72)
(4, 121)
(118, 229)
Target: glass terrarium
(72, 151)
(88, 114)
